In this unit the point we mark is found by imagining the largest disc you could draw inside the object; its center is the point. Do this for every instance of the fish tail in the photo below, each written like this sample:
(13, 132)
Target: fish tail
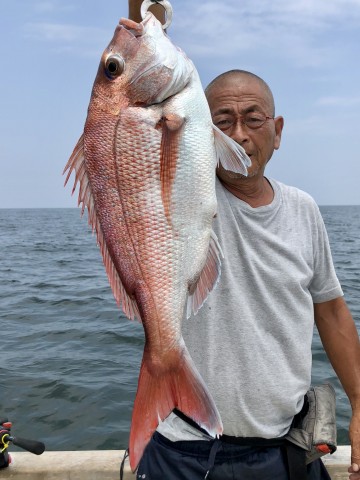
(179, 386)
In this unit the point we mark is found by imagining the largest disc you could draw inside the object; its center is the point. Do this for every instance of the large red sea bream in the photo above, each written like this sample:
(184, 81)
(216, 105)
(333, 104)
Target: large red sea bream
(146, 167)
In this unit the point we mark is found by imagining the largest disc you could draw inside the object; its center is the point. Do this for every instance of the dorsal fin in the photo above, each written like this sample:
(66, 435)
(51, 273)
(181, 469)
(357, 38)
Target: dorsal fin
(77, 163)
(208, 278)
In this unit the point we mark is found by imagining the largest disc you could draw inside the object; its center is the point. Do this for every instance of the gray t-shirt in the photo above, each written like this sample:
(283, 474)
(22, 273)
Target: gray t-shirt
(256, 327)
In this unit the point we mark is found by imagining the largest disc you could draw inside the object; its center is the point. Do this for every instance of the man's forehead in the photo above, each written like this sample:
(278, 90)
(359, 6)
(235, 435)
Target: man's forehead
(238, 83)
(240, 87)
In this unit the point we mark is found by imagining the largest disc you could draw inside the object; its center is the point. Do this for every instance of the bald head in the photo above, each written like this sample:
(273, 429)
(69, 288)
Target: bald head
(240, 76)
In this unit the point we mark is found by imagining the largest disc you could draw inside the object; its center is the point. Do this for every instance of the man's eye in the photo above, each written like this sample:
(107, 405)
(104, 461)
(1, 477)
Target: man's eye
(223, 123)
(254, 119)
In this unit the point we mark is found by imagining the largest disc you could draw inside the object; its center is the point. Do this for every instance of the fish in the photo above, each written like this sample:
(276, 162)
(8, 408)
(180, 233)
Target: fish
(145, 165)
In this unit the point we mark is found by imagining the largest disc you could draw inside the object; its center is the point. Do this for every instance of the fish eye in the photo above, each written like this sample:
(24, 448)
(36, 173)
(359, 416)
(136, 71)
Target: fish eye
(114, 66)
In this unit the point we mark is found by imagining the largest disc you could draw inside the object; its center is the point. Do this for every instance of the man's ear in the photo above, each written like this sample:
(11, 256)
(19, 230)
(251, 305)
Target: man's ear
(279, 125)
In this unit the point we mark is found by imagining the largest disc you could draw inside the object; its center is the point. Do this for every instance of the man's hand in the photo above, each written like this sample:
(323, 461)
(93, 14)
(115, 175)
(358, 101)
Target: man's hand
(134, 11)
(354, 434)
(341, 342)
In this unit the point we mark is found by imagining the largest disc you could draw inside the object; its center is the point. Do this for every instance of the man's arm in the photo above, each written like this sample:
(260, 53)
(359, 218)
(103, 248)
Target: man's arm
(340, 339)
(134, 11)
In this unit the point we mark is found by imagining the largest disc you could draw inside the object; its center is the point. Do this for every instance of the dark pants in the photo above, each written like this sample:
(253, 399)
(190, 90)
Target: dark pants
(216, 460)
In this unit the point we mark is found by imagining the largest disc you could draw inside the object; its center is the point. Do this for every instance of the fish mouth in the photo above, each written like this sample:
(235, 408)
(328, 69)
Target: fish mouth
(135, 28)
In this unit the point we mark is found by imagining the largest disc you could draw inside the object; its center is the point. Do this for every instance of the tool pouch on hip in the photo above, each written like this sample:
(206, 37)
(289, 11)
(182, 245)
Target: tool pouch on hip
(314, 427)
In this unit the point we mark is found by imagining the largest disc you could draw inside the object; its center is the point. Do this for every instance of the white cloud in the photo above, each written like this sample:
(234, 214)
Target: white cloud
(57, 32)
(51, 6)
(304, 32)
(85, 42)
(330, 126)
(339, 101)
(311, 13)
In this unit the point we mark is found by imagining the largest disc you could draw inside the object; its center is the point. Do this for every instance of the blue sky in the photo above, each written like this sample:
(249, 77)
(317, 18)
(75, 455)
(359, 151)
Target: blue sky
(307, 50)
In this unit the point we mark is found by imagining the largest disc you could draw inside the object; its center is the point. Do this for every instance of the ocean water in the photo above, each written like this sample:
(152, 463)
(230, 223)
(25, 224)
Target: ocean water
(69, 359)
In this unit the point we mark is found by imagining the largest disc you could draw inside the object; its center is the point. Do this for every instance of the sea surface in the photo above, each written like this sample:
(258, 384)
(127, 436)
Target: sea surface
(69, 359)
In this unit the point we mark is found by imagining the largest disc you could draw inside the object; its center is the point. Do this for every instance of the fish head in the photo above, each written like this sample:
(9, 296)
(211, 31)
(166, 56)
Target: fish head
(140, 67)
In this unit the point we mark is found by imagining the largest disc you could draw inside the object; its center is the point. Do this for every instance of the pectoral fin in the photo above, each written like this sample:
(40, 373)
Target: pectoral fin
(171, 126)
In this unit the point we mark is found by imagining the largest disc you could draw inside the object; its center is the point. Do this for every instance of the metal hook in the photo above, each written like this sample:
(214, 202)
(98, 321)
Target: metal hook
(164, 3)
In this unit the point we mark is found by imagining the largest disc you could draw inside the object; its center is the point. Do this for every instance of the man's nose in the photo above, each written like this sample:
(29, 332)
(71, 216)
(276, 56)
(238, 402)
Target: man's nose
(239, 132)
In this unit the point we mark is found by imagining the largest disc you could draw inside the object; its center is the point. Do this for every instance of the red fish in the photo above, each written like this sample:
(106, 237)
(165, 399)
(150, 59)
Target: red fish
(146, 167)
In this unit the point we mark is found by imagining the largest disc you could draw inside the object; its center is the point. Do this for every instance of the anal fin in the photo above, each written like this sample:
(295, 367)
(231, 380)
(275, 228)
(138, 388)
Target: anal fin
(208, 278)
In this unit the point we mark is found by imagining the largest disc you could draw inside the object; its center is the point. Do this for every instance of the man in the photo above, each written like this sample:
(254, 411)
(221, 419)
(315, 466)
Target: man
(251, 341)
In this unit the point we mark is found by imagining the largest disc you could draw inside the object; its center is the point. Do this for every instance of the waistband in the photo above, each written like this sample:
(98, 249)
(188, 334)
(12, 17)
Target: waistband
(242, 441)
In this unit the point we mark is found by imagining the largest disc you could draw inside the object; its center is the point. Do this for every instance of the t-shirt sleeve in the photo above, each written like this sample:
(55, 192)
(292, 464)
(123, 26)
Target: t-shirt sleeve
(325, 284)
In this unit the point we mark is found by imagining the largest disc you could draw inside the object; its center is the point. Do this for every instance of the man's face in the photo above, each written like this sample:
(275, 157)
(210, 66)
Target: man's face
(232, 98)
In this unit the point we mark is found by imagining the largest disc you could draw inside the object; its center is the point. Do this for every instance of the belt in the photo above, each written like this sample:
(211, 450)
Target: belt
(246, 441)
(294, 454)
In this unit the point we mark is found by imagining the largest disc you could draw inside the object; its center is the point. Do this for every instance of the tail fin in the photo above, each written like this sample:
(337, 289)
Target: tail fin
(158, 393)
